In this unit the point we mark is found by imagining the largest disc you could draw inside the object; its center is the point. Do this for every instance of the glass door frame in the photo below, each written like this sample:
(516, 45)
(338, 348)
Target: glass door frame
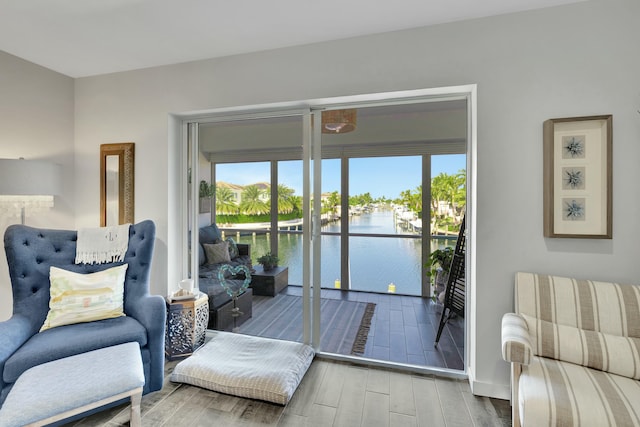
(190, 169)
(311, 230)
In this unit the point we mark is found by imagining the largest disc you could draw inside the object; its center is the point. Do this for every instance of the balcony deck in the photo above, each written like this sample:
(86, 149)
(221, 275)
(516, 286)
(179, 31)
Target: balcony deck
(403, 328)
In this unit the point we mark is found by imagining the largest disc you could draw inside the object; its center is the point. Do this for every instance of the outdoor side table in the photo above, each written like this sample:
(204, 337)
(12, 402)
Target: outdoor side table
(269, 283)
(186, 326)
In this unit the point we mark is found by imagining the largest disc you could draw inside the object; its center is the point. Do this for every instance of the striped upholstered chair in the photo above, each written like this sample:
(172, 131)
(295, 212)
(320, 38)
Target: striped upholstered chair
(574, 348)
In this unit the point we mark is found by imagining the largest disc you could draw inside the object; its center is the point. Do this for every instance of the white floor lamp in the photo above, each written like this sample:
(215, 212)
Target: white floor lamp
(28, 185)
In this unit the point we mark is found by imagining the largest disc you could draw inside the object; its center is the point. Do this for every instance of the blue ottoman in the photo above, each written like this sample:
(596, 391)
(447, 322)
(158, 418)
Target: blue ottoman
(65, 387)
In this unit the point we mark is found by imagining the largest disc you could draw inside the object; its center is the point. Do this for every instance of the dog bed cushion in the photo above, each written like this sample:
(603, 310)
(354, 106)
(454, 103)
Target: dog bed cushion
(247, 366)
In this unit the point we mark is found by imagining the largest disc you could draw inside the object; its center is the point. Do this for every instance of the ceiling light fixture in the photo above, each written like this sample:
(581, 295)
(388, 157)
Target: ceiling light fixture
(339, 121)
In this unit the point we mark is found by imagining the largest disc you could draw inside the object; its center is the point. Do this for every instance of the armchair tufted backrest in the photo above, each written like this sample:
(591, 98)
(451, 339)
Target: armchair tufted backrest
(32, 251)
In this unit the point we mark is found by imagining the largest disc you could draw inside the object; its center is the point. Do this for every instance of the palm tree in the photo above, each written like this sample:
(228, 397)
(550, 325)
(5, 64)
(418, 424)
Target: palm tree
(251, 203)
(405, 197)
(416, 199)
(332, 202)
(412, 199)
(450, 189)
(225, 201)
(285, 195)
(440, 192)
(459, 198)
(296, 203)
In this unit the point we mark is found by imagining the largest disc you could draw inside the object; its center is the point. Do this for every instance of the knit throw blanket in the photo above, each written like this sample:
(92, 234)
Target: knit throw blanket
(104, 244)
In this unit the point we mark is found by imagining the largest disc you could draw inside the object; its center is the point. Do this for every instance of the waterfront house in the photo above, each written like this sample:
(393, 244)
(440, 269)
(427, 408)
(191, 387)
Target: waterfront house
(236, 190)
(576, 59)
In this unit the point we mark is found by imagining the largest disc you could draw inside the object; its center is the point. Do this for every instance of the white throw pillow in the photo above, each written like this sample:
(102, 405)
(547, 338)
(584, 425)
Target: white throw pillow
(78, 298)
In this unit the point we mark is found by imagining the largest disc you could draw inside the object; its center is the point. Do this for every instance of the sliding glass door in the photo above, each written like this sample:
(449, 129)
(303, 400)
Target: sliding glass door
(249, 175)
(349, 198)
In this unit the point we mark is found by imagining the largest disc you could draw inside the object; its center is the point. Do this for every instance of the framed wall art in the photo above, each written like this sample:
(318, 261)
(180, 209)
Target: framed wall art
(578, 177)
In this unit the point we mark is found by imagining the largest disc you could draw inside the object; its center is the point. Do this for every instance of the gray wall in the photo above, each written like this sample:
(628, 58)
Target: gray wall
(572, 60)
(36, 122)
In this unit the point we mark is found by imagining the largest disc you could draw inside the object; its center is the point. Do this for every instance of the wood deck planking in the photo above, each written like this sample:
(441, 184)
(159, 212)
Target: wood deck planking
(415, 318)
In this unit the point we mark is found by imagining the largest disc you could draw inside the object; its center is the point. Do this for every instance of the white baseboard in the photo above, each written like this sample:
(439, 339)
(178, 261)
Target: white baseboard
(497, 391)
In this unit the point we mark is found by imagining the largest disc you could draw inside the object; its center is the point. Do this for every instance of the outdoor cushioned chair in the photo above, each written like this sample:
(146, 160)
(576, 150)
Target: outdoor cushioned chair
(31, 252)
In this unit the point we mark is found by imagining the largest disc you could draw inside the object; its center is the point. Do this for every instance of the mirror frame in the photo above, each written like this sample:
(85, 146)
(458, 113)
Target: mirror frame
(126, 191)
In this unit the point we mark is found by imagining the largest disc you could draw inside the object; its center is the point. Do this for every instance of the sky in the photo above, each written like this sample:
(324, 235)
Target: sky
(379, 176)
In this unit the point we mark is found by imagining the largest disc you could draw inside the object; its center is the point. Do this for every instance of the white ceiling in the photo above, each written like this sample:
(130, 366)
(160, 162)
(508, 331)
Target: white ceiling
(88, 37)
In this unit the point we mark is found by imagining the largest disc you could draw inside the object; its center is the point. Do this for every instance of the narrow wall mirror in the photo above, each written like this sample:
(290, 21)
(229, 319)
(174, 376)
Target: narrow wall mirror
(117, 183)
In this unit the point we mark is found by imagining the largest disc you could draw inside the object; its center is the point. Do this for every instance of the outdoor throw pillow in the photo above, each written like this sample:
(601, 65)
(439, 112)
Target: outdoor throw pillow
(233, 248)
(78, 298)
(217, 252)
(209, 234)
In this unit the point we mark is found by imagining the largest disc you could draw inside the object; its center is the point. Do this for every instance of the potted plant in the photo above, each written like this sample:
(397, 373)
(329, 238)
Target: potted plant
(268, 261)
(439, 264)
(205, 193)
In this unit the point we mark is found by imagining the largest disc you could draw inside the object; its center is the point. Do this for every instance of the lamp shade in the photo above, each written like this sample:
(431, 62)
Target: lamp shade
(339, 121)
(29, 177)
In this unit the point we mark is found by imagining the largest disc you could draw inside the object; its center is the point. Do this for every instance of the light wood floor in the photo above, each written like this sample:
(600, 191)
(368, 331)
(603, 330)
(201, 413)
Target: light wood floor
(342, 394)
(331, 394)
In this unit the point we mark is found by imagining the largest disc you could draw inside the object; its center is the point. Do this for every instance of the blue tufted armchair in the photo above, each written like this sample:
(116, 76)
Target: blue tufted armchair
(30, 254)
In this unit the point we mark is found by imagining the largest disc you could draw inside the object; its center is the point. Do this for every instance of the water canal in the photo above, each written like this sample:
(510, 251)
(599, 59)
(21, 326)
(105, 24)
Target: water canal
(374, 262)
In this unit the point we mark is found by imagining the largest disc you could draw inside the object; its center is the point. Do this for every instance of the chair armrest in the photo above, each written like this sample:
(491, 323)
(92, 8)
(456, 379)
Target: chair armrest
(13, 333)
(516, 345)
(151, 312)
